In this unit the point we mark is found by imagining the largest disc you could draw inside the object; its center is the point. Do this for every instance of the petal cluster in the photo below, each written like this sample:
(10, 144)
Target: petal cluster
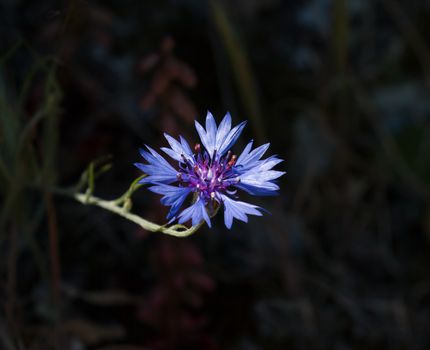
(210, 175)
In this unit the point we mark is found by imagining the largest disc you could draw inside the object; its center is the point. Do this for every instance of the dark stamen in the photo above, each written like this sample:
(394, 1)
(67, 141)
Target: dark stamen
(232, 161)
(186, 161)
(227, 157)
(213, 158)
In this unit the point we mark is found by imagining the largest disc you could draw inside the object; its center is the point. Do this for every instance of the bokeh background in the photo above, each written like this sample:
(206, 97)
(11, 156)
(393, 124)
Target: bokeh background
(341, 90)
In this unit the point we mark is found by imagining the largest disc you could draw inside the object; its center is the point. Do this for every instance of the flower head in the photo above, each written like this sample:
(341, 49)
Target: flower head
(211, 174)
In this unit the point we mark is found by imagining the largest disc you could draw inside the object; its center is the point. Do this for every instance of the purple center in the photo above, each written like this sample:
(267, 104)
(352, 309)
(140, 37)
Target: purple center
(208, 176)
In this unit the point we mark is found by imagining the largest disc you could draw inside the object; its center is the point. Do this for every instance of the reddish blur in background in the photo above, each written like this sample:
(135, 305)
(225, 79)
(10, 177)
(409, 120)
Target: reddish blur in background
(340, 88)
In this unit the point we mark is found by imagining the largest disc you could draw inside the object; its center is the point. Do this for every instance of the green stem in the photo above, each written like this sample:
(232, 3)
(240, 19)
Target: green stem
(112, 206)
(135, 185)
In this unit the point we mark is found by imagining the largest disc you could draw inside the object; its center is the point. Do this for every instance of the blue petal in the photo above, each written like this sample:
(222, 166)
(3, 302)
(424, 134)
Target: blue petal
(256, 175)
(204, 138)
(244, 153)
(251, 159)
(223, 130)
(268, 163)
(231, 138)
(267, 189)
(172, 154)
(172, 196)
(160, 178)
(261, 176)
(238, 210)
(211, 132)
(222, 139)
(258, 180)
(179, 149)
(157, 169)
(157, 158)
(196, 213)
(150, 169)
(186, 146)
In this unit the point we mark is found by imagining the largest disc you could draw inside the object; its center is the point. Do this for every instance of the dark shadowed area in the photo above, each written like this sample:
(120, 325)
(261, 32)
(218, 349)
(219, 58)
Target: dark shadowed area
(340, 89)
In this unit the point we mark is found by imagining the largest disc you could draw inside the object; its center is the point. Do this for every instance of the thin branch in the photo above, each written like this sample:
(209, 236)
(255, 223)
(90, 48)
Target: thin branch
(112, 206)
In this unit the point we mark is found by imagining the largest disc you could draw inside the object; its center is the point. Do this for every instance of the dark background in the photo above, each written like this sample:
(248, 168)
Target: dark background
(340, 88)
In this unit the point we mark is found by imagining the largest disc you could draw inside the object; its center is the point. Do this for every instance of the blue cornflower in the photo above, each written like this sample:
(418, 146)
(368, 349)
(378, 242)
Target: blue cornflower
(211, 175)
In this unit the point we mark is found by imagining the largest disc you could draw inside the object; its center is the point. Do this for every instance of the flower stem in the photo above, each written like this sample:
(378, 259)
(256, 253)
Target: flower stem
(114, 206)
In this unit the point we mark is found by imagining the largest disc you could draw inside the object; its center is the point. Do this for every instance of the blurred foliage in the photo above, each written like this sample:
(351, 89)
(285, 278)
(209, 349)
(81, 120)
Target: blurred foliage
(29, 109)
